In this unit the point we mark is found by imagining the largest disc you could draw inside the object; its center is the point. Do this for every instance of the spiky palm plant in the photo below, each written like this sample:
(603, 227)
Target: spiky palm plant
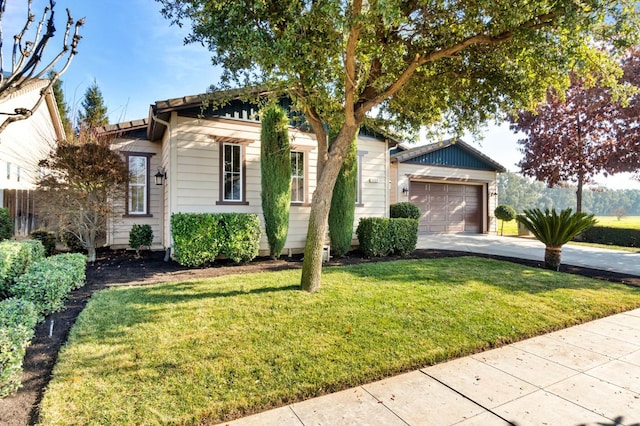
(555, 230)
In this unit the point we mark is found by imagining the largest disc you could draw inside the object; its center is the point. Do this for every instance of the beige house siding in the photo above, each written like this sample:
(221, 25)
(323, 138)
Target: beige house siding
(403, 172)
(24, 143)
(120, 223)
(194, 180)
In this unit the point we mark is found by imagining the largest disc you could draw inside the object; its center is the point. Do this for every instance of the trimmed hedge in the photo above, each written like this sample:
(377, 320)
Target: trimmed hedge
(6, 224)
(18, 319)
(612, 236)
(379, 236)
(48, 240)
(198, 238)
(48, 281)
(404, 209)
(15, 259)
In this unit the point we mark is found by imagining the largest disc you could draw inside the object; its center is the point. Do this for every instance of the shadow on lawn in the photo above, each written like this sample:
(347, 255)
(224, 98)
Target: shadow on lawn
(449, 272)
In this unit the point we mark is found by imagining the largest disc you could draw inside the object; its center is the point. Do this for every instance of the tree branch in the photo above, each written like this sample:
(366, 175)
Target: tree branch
(448, 52)
(350, 62)
(22, 73)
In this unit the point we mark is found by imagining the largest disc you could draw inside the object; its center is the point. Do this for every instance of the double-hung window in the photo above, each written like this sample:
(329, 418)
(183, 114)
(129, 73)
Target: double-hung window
(232, 172)
(138, 194)
(297, 177)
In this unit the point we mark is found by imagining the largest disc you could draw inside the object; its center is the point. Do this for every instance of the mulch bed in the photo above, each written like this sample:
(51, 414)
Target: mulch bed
(123, 268)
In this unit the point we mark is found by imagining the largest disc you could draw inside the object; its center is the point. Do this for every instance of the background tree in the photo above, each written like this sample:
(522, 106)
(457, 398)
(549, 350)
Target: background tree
(575, 135)
(94, 112)
(63, 108)
(451, 65)
(343, 203)
(27, 57)
(77, 193)
(275, 166)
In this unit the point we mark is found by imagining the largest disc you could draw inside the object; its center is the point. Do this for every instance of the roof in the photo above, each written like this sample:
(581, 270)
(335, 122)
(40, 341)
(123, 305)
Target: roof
(235, 106)
(448, 153)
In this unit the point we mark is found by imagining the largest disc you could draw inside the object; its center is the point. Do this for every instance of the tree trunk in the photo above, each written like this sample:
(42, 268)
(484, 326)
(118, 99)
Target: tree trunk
(579, 194)
(320, 205)
(552, 257)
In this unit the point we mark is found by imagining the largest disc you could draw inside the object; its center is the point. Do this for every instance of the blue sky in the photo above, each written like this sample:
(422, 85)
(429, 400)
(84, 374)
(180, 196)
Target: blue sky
(137, 58)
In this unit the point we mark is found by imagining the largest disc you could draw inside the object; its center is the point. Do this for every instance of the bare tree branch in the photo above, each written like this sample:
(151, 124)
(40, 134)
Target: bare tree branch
(26, 62)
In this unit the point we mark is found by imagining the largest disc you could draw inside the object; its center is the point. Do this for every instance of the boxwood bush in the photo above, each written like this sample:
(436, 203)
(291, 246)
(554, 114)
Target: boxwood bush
(379, 236)
(48, 281)
(404, 209)
(15, 259)
(198, 238)
(18, 319)
(48, 240)
(612, 236)
(6, 224)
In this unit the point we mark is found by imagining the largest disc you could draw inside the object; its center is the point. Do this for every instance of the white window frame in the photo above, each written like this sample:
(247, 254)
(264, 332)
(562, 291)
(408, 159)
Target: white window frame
(239, 173)
(144, 185)
(300, 163)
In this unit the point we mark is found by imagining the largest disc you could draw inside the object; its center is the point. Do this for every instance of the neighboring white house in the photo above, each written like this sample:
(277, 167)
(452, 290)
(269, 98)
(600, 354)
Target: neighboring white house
(22, 145)
(209, 161)
(453, 184)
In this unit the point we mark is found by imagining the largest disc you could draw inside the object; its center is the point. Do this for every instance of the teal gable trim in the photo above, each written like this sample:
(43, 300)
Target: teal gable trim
(452, 156)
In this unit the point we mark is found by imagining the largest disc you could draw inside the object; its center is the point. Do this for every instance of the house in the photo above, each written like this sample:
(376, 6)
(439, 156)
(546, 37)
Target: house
(453, 184)
(207, 160)
(22, 145)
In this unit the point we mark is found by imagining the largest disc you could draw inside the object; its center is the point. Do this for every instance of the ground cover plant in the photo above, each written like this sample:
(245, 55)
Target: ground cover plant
(213, 349)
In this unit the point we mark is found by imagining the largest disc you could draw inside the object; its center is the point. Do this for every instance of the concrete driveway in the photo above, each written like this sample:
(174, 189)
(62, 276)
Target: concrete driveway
(527, 248)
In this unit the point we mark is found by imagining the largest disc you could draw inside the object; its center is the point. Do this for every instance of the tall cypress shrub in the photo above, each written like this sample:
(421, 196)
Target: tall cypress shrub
(275, 165)
(343, 203)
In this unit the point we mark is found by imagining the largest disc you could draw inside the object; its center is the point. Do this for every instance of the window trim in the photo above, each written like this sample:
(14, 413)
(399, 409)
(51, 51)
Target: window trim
(147, 213)
(305, 177)
(359, 186)
(306, 153)
(242, 144)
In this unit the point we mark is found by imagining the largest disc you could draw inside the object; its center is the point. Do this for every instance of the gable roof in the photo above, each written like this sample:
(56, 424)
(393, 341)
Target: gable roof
(448, 153)
(235, 107)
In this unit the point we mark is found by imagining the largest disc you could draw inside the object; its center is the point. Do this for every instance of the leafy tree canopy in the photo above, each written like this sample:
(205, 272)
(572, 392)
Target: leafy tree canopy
(453, 64)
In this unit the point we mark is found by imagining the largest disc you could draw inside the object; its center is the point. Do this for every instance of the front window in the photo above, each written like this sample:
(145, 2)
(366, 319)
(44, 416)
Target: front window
(361, 155)
(232, 174)
(297, 177)
(138, 184)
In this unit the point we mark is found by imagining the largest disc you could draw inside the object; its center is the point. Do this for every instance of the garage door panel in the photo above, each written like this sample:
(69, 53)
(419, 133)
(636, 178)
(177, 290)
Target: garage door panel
(447, 207)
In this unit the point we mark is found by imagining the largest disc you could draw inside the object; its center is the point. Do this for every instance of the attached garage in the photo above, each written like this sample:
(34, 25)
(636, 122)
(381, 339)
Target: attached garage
(447, 207)
(452, 183)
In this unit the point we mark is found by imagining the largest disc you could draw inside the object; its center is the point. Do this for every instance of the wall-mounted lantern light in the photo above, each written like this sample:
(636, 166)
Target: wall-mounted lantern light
(405, 190)
(160, 176)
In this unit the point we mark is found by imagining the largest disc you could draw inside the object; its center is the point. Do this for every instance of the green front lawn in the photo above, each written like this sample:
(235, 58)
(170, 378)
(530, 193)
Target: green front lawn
(209, 350)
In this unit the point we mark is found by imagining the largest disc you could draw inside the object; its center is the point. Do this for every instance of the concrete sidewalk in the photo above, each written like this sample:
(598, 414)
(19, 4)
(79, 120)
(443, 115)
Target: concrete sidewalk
(584, 375)
(527, 248)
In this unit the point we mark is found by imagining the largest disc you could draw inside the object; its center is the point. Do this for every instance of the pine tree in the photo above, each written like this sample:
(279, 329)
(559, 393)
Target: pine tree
(275, 165)
(94, 111)
(63, 108)
(343, 203)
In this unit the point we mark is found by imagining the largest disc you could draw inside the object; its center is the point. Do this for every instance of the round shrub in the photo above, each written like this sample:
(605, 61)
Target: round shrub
(140, 236)
(48, 240)
(6, 225)
(404, 210)
(505, 212)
